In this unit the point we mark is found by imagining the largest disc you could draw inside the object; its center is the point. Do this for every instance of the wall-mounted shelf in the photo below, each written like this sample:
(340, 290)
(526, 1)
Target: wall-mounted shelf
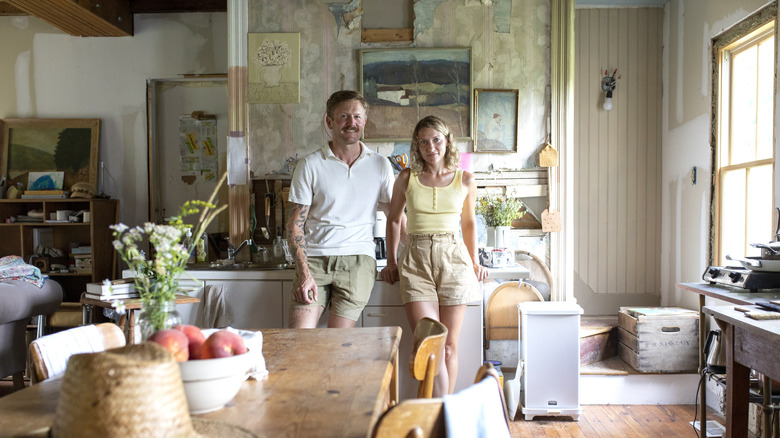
(525, 183)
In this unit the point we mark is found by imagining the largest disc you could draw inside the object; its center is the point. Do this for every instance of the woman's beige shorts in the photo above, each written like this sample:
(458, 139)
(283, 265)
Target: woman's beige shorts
(437, 267)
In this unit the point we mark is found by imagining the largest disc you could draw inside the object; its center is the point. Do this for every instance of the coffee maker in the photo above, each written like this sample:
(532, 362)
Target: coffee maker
(380, 230)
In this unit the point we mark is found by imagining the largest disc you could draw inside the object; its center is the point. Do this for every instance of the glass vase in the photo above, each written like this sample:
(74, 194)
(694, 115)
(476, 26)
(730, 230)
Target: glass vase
(157, 315)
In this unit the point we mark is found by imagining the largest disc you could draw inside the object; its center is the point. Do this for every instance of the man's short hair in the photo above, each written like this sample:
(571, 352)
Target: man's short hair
(338, 97)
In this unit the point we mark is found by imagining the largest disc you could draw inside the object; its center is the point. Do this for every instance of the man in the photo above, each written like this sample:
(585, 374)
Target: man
(335, 192)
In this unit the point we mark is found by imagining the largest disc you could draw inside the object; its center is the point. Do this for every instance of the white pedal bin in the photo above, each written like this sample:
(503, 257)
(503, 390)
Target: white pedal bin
(550, 347)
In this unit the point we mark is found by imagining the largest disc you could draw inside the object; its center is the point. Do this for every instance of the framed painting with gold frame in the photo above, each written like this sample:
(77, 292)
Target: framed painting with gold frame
(43, 145)
(495, 120)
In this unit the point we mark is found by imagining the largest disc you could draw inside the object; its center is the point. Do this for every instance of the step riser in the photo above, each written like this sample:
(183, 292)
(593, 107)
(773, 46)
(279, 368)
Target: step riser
(598, 347)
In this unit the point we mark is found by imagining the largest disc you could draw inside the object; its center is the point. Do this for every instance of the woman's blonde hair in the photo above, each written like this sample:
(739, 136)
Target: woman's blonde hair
(451, 155)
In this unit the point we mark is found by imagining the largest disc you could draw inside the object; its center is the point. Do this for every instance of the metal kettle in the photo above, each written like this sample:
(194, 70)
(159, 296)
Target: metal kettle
(715, 352)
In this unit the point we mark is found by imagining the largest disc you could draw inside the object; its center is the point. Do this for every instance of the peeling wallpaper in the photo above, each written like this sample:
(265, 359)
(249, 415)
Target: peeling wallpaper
(510, 44)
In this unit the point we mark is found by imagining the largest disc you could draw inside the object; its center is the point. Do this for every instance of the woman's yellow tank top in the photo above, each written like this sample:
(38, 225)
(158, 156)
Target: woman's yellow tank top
(434, 209)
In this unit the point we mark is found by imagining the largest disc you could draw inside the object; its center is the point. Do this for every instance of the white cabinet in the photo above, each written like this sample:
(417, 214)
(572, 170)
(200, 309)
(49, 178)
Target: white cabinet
(385, 309)
(253, 304)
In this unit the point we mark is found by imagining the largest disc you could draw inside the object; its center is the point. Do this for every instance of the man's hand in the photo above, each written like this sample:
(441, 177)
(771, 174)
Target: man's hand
(306, 292)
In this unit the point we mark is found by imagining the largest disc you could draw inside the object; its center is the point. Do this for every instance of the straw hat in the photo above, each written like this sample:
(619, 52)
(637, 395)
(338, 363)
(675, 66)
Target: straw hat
(135, 391)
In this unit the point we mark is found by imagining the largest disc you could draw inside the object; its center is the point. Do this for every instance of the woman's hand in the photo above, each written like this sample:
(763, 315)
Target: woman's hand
(480, 271)
(389, 274)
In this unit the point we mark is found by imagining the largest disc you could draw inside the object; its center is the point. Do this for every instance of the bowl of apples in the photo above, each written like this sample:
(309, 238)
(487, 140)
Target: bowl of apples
(212, 368)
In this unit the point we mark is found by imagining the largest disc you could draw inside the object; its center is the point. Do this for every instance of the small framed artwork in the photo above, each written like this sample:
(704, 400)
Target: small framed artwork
(274, 71)
(404, 85)
(45, 180)
(495, 120)
(43, 152)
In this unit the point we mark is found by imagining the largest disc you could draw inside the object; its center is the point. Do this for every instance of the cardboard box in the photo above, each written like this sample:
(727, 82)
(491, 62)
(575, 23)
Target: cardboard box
(659, 339)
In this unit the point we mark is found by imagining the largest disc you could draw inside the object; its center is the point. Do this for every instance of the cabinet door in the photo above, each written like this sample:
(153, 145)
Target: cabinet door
(389, 316)
(253, 304)
(189, 312)
(469, 344)
(470, 347)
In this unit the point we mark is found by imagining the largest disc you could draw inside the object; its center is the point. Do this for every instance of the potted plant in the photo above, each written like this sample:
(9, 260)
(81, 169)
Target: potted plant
(157, 276)
(498, 212)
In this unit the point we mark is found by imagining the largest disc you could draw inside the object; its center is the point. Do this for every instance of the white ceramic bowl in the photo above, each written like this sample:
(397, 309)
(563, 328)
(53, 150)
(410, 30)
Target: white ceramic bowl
(210, 383)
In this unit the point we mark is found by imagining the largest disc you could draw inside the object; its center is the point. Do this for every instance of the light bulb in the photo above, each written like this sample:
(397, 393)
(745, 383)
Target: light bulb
(608, 103)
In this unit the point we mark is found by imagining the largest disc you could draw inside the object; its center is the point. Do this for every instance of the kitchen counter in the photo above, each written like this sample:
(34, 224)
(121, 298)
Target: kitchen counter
(516, 272)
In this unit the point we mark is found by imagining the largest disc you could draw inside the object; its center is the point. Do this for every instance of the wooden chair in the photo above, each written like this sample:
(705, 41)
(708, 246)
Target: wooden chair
(429, 339)
(501, 318)
(424, 418)
(49, 354)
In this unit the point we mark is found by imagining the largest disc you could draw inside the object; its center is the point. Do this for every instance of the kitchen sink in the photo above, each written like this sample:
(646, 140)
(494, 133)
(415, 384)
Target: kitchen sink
(240, 266)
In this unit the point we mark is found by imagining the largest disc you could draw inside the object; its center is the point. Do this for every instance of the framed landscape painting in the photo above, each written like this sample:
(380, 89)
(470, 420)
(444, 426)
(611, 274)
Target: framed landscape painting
(402, 86)
(50, 145)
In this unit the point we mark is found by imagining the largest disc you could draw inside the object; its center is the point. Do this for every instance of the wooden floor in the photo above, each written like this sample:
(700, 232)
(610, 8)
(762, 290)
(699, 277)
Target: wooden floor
(601, 421)
(596, 421)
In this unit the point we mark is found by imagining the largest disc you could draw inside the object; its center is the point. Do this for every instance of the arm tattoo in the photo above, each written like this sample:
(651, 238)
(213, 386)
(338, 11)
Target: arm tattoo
(298, 215)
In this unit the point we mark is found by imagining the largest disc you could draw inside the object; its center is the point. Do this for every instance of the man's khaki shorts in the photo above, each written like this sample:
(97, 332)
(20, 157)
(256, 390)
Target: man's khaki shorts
(437, 267)
(344, 283)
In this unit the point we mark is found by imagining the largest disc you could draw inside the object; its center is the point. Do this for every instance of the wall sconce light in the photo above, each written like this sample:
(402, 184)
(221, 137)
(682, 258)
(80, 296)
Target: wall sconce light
(608, 84)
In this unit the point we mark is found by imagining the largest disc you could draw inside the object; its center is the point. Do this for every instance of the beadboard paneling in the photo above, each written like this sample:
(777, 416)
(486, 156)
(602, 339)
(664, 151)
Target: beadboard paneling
(618, 153)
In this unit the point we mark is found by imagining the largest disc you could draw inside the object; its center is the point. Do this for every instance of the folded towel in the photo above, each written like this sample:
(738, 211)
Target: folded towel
(476, 412)
(254, 343)
(14, 268)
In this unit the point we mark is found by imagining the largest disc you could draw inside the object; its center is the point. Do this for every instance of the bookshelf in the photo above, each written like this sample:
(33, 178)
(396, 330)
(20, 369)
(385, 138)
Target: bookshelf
(16, 238)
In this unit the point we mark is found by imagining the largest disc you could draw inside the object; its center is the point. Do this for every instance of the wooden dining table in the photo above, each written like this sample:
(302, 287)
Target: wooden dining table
(320, 382)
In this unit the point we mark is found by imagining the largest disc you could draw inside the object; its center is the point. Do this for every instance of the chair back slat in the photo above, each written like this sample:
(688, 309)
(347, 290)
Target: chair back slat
(430, 336)
(49, 354)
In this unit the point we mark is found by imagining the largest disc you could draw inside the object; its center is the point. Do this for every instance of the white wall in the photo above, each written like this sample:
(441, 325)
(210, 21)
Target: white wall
(617, 158)
(689, 26)
(47, 73)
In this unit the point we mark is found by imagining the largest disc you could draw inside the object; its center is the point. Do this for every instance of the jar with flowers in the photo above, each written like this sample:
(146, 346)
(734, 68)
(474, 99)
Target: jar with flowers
(157, 274)
(498, 212)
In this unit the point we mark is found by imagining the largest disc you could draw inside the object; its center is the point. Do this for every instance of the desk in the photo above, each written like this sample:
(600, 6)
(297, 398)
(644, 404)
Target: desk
(321, 382)
(750, 344)
(89, 304)
(730, 295)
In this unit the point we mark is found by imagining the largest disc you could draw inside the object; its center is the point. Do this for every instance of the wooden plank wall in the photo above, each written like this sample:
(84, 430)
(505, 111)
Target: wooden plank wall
(618, 153)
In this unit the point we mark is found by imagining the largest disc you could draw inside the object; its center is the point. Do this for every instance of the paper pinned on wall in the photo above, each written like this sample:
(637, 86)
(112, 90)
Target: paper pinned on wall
(198, 147)
(237, 160)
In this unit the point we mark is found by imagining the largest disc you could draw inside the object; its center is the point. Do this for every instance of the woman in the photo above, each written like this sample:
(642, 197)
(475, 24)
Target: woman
(438, 271)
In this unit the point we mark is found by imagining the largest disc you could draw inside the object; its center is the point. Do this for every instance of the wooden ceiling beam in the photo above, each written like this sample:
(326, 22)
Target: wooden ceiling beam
(87, 18)
(159, 6)
(6, 9)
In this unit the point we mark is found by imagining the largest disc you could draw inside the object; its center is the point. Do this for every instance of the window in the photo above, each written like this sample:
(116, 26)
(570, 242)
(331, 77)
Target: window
(745, 144)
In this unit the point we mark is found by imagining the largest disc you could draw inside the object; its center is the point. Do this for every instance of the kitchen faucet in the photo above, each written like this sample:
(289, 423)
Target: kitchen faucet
(232, 251)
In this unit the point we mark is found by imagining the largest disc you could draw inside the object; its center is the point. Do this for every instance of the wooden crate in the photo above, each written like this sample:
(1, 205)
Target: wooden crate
(659, 339)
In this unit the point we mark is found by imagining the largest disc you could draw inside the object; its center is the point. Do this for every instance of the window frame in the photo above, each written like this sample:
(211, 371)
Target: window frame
(749, 33)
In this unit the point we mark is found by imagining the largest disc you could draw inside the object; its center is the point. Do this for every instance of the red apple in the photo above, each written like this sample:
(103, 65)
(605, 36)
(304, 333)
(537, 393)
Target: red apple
(223, 344)
(174, 341)
(196, 339)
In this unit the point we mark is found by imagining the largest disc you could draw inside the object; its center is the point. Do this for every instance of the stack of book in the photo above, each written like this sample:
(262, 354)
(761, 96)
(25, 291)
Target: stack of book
(46, 194)
(117, 290)
(27, 218)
